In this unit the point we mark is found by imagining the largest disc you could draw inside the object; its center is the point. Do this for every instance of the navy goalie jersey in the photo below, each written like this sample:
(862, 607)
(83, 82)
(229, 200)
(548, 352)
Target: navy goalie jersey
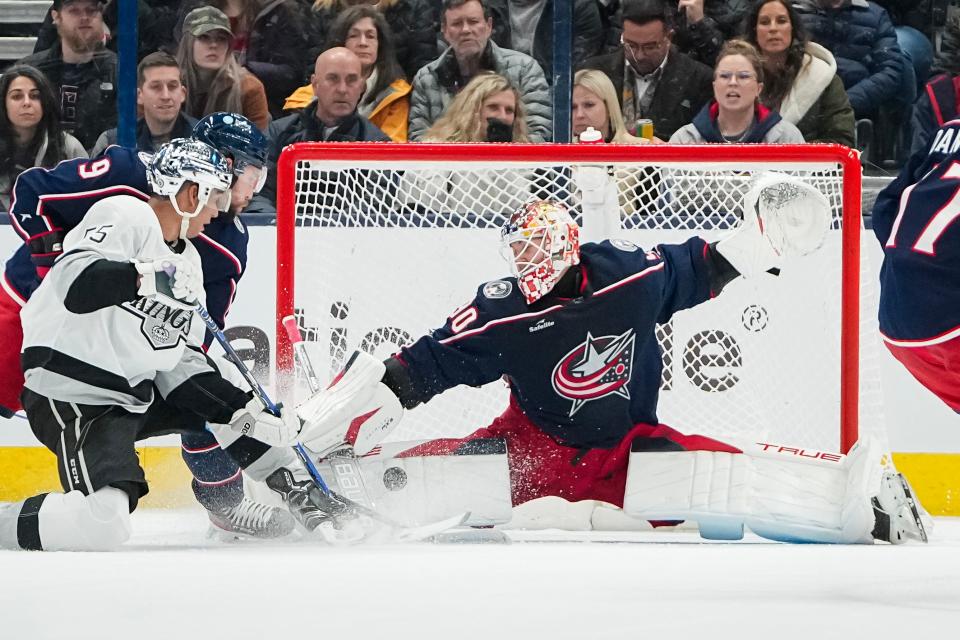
(916, 218)
(48, 203)
(584, 369)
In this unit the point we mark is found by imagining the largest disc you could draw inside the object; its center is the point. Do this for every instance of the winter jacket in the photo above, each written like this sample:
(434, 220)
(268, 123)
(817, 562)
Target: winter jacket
(684, 88)
(71, 149)
(390, 114)
(817, 102)
(274, 51)
(182, 128)
(414, 25)
(702, 41)
(587, 31)
(861, 37)
(435, 85)
(305, 127)
(94, 107)
(768, 127)
(910, 13)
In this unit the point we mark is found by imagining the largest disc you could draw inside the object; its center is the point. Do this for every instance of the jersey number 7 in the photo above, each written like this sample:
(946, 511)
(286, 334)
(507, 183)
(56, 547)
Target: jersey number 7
(940, 220)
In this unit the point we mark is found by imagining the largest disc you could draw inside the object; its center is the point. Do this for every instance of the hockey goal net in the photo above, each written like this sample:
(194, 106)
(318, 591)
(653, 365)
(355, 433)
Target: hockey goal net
(379, 243)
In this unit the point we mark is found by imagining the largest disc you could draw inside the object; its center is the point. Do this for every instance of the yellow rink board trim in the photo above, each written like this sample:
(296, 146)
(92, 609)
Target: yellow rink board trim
(26, 471)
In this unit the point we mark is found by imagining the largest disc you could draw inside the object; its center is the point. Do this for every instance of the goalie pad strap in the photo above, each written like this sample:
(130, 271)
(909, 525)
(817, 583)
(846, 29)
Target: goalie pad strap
(821, 500)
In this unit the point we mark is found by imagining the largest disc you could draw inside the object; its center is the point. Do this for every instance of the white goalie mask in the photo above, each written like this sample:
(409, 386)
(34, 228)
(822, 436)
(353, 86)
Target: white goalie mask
(187, 160)
(540, 242)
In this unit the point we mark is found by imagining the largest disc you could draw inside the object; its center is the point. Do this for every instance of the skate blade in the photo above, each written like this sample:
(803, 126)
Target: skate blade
(921, 530)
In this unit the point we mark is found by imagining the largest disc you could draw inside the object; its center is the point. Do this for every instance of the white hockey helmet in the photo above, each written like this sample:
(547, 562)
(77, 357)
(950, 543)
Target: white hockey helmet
(187, 160)
(540, 241)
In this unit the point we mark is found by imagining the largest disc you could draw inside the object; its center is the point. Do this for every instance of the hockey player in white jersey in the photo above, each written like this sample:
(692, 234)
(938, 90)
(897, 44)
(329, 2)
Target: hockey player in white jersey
(112, 354)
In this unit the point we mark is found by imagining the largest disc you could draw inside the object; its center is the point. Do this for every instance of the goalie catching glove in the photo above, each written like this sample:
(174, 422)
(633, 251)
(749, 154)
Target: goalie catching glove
(782, 216)
(356, 409)
(174, 280)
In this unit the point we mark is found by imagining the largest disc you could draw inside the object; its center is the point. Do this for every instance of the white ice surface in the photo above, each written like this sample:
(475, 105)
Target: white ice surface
(172, 582)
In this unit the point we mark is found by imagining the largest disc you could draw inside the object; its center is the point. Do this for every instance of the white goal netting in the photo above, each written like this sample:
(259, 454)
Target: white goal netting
(380, 244)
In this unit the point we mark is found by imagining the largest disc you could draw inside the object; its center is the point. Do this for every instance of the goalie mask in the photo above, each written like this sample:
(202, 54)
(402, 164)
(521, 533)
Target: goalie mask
(540, 241)
(185, 160)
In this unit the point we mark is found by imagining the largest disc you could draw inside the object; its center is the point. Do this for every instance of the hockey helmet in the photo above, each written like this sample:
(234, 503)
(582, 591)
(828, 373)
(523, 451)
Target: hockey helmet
(239, 139)
(540, 241)
(187, 160)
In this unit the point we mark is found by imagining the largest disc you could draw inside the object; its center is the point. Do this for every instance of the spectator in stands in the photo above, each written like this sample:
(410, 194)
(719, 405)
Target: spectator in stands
(595, 105)
(413, 23)
(30, 131)
(527, 26)
(268, 40)
(386, 100)
(736, 113)
(331, 117)
(702, 26)
(160, 97)
(652, 78)
(913, 22)
(154, 26)
(488, 109)
(861, 37)
(80, 70)
(800, 77)
(215, 81)
(940, 100)
(466, 25)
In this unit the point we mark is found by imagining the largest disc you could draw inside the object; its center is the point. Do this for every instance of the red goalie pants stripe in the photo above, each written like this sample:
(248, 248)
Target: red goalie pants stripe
(11, 340)
(540, 467)
(935, 366)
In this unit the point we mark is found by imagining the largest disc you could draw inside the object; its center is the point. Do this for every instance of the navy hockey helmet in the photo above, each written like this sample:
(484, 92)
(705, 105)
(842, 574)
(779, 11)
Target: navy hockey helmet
(238, 138)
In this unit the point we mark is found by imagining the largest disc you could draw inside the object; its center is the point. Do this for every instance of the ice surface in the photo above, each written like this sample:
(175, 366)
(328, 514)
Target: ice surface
(172, 582)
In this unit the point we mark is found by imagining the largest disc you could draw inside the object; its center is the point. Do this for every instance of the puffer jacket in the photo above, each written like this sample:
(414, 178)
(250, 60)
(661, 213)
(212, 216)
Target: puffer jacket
(274, 48)
(413, 23)
(768, 127)
(817, 102)
(391, 113)
(862, 39)
(588, 33)
(435, 85)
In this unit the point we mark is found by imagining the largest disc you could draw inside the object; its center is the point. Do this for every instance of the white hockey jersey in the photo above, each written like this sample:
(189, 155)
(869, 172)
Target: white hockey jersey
(118, 354)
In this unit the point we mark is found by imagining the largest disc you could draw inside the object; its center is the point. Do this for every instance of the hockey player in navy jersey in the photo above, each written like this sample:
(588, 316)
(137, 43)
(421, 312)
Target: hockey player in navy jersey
(48, 203)
(112, 354)
(915, 220)
(573, 334)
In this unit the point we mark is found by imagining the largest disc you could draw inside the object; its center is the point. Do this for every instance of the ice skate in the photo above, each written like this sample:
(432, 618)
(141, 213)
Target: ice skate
(898, 514)
(308, 504)
(251, 519)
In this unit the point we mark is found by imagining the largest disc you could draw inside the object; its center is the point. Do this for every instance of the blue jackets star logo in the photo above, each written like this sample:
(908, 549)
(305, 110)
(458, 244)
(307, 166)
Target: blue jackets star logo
(594, 369)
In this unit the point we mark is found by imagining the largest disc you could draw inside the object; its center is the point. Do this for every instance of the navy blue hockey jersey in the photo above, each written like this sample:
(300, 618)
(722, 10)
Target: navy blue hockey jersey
(585, 370)
(47, 203)
(915, 218)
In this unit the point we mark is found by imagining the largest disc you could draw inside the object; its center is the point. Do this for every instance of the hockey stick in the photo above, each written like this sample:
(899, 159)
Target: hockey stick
(354, 476)
(404, 532)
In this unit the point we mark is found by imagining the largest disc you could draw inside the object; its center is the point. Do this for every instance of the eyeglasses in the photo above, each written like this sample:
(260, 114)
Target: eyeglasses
(647, 49)
(741, 76)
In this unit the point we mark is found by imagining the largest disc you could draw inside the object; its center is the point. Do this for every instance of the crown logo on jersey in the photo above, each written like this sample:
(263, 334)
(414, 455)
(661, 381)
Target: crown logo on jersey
(594, 369)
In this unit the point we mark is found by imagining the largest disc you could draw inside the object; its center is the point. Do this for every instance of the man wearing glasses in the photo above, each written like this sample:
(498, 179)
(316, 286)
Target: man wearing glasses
(653, 78)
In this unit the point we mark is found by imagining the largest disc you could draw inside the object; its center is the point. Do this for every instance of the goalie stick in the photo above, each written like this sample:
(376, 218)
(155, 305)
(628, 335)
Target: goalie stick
(401, 531)
(344, 455)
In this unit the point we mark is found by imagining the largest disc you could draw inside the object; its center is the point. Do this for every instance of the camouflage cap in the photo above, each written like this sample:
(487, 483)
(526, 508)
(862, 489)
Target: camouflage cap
(206, 19)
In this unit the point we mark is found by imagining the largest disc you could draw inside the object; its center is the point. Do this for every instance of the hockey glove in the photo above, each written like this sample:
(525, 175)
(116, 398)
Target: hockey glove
(356, 409)
(782, 216)
(174, 280)
(258, 423)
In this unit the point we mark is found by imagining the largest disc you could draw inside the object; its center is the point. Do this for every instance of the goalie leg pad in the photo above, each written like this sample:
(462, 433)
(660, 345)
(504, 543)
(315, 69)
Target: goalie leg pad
(780, 495)
(426, 488)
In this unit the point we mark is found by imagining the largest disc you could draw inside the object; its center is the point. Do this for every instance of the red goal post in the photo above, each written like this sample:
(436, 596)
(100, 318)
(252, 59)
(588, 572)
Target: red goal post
(319, 186)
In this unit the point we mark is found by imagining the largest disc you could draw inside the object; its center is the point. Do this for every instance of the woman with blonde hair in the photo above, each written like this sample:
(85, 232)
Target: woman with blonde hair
(214, 80)
(595, 104)
(488, 96)
(488, 109)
